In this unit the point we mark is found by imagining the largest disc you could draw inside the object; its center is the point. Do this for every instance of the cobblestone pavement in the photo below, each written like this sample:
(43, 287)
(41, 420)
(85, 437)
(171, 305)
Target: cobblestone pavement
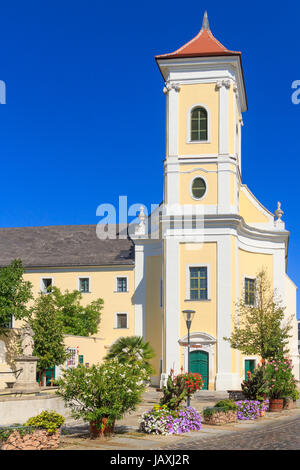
(275, 431)
(281, 435)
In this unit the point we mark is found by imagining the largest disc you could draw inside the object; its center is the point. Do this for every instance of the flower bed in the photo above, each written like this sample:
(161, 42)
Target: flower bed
(161, 420)
(251, 409)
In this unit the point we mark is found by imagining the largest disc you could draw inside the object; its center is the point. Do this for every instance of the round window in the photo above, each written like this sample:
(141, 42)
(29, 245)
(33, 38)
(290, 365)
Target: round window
(198, 188)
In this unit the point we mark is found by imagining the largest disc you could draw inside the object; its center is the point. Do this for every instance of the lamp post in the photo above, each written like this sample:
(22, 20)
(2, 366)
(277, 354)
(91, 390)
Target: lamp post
(188, 315)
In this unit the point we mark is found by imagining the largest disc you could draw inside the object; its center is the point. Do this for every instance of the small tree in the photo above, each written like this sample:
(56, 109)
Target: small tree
(132, 349)
(49, 344)
(14, 294)
(260, 329)
(76, 318)
(102, 392)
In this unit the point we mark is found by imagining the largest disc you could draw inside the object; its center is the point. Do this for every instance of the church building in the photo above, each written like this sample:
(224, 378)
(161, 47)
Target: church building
(201, 250)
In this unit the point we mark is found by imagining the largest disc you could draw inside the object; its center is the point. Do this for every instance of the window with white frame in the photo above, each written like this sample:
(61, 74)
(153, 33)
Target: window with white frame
(249, 290)
(122, 284)
(198, 283)
(121, 320)
(199, 124)
(46, 285)
(84, 284)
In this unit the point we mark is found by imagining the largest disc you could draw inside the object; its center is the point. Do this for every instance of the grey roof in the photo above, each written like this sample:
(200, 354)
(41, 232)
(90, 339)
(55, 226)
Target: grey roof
(63, 245)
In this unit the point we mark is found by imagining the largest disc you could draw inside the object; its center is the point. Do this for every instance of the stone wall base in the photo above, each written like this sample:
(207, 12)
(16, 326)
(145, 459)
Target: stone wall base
(221, 417)
(39, 439)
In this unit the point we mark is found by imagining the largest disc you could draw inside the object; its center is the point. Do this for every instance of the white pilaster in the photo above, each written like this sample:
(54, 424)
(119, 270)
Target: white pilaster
(224, 192)
(173, 120)
(172, 305)
(139, 291)
(223, 116)
(225, 380)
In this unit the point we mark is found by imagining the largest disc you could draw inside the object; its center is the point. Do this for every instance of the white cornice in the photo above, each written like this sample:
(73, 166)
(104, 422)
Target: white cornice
(232, 222)
(188, 70)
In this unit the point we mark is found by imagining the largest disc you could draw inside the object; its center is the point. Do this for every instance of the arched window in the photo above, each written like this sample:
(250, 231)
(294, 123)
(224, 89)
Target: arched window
(199, 124)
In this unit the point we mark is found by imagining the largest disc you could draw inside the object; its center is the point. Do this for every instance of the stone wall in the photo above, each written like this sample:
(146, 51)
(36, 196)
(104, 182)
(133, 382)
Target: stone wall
(39, 439)
(17, 410)
(221, 417)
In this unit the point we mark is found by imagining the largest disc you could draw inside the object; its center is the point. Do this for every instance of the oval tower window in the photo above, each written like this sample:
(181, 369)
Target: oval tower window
(198, 188)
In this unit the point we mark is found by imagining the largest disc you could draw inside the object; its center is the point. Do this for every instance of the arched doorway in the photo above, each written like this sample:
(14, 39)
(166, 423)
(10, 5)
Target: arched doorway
(199, 364)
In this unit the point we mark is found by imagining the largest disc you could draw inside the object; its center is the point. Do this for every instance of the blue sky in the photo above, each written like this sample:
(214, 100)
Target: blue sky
(84, 120)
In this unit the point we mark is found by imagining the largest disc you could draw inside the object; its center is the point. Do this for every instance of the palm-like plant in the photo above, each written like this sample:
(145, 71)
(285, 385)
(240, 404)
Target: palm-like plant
(132, 349)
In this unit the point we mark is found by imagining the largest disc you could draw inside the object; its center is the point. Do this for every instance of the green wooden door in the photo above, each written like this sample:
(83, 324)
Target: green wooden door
(199, 364)
(249, 366)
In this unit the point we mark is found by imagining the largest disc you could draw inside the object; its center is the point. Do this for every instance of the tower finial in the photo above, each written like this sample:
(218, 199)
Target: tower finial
(205, 23)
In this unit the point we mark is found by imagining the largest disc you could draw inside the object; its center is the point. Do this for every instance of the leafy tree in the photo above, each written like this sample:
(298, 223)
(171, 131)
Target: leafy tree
(49, 344)
(76, 318)
(260, 329)
(14, 294)
(132, 349)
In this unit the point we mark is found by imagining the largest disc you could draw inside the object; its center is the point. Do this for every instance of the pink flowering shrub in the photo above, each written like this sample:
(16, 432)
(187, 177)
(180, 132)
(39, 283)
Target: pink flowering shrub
(280, 379)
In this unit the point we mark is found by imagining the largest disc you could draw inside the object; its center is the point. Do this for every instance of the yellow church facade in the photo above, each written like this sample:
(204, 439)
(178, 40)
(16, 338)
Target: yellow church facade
(200, 250)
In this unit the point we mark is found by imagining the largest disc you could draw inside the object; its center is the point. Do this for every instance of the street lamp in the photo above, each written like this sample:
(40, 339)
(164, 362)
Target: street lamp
(188, 315)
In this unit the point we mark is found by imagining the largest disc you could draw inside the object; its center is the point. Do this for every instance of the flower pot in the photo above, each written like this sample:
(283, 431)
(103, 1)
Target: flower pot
(289, 404)
(262, 413)
(101, 428)
(276, 404)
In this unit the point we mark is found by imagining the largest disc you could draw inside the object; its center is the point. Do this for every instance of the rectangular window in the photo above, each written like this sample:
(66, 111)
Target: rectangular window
(71, 360)
(121, 284)
(198, 283)
(46, 285)
(84, 284)
(121, 320)
(249, 291)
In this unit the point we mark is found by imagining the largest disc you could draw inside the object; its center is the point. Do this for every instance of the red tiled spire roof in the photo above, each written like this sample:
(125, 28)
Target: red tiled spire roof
(204, 44)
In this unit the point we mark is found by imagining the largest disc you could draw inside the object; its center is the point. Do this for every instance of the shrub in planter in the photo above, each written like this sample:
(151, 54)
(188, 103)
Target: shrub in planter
(161, 420)
(226, 405)
(223, 412)
(281, 382)
(102, 393)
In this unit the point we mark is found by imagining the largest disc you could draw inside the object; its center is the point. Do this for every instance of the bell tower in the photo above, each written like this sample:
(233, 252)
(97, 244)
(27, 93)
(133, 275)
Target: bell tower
(205, 98)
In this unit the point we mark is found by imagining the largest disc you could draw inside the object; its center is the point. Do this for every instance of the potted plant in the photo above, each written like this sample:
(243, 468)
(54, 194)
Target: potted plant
(281, 382)
(256, 388)
(102, 394)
